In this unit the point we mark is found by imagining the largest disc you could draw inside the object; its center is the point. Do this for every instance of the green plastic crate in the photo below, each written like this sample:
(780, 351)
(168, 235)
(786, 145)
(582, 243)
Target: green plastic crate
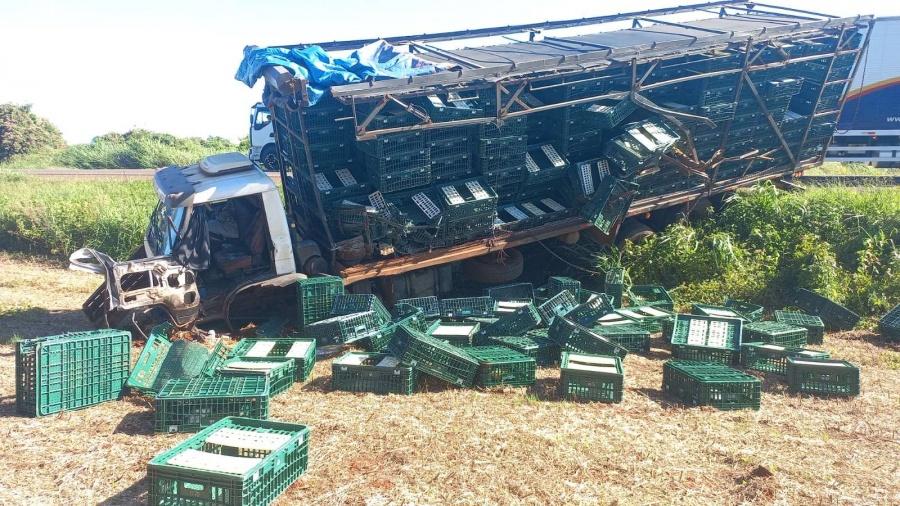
(557, 305)
(632, 337)
(653, 318)
(516, 324)
(717, 311)
(834, 315)
(513, 291)
(814, 325)
(614, 285)
(383, 341)
(752, 312)
(573, 337)
(708, 331)
(188, 405)
(437, 358)
(377, 373)
(499, 365)
(707, 384)
(315, 296)
(534, 344)
(235, 461)
(217, 357)
(775, 333)
(507, 307)
(651, 295)
(590, 377)
(430, 306)
(588, 312)
(343, 329)
(889, 324)
(456, 333)
(71, 371)
(772, 358)
(557, 284)
(301, 351)
(351, 303)
(703, 354)
(278, 371)
(822, 376)
(466, 307)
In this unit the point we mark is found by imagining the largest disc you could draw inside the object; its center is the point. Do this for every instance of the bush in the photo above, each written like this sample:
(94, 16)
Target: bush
(141, 149)
(841, 242)
(22, 132)
(56, 219)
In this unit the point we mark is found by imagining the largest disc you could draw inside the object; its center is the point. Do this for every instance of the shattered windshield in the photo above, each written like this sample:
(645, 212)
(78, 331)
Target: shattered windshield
(162, 236)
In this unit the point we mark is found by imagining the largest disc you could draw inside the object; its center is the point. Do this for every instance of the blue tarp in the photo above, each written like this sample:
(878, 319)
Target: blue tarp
(378, 60)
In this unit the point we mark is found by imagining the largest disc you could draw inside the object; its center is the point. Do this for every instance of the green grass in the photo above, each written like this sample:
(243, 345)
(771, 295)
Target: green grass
(56, 218)
(137, 149)
(764, 243)
(849, 169)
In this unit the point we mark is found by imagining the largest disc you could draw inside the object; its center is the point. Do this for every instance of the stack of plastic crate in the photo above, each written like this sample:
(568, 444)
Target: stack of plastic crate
(706, 338)
(467, 209)
(641, 144)
(450, 148)
(377, 373)
(399, 161)
(501, 161)
(315, 296)
(499, 365)
(234, 461)
(532, 210)
(543, 164)
(71, 371)
(188, 405)
(590, 377)
(301, 351)
(708, 384)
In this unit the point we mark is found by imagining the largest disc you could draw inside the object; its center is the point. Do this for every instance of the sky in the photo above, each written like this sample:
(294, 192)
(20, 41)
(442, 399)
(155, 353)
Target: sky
(96, 66)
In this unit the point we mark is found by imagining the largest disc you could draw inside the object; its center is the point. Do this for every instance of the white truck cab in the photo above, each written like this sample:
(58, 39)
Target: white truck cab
(262, 138)
(218, 230)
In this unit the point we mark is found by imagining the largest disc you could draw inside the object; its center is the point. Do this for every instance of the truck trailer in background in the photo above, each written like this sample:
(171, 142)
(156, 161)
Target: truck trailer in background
(869, 129)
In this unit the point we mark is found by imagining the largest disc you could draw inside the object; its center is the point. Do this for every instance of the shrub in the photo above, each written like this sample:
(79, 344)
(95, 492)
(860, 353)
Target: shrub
(22, 132)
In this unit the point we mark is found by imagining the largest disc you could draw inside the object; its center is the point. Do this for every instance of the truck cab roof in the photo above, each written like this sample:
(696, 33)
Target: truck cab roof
(214, 178)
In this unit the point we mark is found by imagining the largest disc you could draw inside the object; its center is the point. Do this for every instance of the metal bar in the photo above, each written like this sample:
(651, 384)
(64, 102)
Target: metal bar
(647, 73)
(411, 109)
(791, 9)
(738, 90)
(512, 29)
(312, 178)
(682, 25)
(362, 127)
(812, 115)
(778, 14)
(446, 54)
(578, 42)
(770, 119)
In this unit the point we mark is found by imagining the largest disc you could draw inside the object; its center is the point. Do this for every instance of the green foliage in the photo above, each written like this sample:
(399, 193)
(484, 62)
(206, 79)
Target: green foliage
(841, 242)
(56, 219)
(141, 149)
(22, 132)
(137, 149)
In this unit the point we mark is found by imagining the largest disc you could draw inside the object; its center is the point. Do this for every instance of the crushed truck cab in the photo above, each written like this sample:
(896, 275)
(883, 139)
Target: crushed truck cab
(219, 229)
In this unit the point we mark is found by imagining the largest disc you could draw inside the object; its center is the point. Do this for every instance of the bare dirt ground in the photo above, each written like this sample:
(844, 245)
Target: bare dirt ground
(472, 447)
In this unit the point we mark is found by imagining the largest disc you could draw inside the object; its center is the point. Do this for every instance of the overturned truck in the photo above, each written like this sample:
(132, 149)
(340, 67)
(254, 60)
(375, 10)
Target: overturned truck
(516, 134)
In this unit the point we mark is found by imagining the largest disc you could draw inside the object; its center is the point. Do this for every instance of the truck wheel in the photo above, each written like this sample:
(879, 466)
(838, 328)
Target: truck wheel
(634, 231)
(495, 268)
(269, 157)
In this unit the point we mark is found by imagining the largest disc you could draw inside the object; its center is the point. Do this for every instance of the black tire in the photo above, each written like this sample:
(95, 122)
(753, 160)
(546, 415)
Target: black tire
(492, 269)
(634, 231)
(269, 157)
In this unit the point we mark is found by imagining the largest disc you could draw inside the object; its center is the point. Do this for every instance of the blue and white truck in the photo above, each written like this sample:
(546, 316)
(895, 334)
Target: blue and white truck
(869, 128)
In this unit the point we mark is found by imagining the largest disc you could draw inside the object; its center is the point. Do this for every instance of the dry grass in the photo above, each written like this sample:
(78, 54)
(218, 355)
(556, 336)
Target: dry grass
(471, 447)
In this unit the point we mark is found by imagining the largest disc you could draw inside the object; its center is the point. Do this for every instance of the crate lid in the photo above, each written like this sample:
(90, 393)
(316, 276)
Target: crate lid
(352, 359)
(299, 349)
(260, 349)
(389, 361)
(247, 439)
(453, 330)
(823, 363)
(215, 462)
(241, 365)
